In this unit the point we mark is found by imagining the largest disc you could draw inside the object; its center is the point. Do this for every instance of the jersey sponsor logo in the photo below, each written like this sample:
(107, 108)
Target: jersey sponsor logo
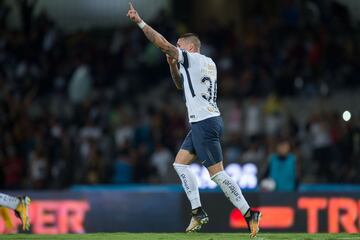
(192, 116)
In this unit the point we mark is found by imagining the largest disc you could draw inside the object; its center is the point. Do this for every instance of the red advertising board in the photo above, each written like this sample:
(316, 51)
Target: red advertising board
(53, 217)
(289, 212)
(342, 215)
(53, 212)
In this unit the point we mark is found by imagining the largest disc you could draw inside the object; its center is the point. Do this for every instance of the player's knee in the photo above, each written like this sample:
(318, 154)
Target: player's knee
(216, 168)
(184, 157)
(180, 161)
(177, 160)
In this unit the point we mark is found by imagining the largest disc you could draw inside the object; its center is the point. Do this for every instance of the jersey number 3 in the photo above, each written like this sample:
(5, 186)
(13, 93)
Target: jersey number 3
(210, 96)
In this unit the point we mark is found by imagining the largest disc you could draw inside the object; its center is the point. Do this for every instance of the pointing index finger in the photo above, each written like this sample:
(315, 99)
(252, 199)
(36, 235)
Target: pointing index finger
(131, 6)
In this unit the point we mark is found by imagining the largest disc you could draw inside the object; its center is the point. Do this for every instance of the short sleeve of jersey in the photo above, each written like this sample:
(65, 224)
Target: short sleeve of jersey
(183, 58)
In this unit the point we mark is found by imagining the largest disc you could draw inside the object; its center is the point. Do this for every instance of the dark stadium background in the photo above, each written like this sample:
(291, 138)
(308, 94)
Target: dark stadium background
(89, 115)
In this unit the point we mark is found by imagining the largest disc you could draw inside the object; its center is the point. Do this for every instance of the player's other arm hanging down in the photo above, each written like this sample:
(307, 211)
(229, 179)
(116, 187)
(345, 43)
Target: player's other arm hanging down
(156, 38)
(174, 70)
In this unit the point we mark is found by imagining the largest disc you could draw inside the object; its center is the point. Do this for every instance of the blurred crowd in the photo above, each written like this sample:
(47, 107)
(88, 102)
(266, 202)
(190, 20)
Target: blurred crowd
(98, 106)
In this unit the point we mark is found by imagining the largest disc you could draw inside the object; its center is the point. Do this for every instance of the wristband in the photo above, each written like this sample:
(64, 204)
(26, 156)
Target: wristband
(141, 24)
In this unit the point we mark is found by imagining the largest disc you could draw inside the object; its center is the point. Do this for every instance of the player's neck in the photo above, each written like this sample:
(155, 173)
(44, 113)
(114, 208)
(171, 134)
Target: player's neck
(194, 51)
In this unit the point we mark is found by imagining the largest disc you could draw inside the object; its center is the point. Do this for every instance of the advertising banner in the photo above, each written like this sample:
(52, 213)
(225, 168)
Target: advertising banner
(101, 211)
(169, 211)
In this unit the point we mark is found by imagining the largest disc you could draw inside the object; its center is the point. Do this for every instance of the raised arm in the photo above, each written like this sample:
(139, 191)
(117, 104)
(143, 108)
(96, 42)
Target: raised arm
(156, 38)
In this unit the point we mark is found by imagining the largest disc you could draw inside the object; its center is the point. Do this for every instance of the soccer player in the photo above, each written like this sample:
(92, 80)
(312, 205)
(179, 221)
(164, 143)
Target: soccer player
(196, 75)
(21, 207)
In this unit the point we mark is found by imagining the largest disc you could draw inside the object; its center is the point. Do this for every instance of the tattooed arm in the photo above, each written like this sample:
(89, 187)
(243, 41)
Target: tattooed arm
(174, 70)
(153, 36)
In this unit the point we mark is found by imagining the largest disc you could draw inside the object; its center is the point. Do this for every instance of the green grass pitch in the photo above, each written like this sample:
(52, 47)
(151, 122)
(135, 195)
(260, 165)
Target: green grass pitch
(181, 236)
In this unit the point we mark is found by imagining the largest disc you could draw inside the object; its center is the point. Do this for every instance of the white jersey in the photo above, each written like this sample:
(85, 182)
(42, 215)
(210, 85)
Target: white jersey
(199, 77)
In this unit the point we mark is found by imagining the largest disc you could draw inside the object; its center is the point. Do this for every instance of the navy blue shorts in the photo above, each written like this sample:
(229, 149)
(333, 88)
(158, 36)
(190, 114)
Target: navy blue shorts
(203, 140)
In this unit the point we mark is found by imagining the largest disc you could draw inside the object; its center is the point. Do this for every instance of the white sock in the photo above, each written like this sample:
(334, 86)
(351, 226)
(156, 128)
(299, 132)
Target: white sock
(8, 201)
(231, 190)
(189, 183)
